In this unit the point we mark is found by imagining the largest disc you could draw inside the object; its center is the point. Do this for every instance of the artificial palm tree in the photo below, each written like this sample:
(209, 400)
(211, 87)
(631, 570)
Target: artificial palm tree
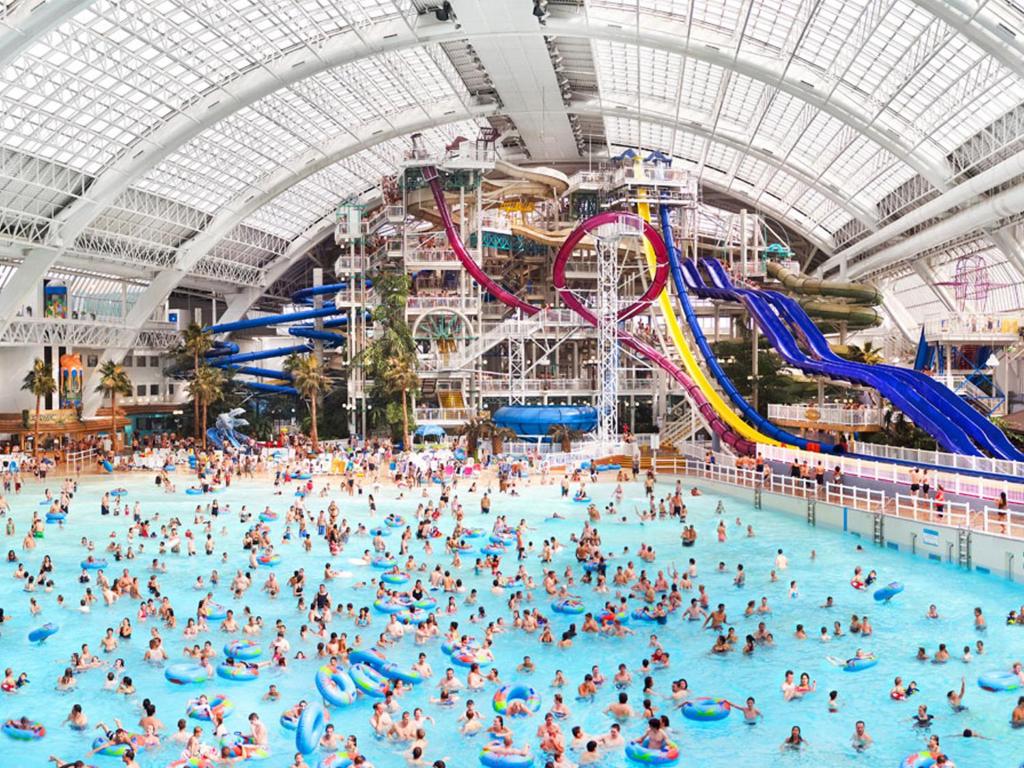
(196, 341)
(401, 378)
(474, 429)
(311, 381)
(206, 386)
(565, 435)
(868, 354)
(114, 381)
(498, 437)
(39, 381)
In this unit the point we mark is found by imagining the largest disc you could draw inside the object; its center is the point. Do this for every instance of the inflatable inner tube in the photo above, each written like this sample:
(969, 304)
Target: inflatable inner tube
(218, 704)
(999, 680)
(705, 709)
(639, 752)
(567, 605)
(237, 671)
(505, 695)
(15, 730)
(496, 755)
(336, 686)
(185, 674)
(888, 592)
(39, 634)
(244, 650)
(310, 728)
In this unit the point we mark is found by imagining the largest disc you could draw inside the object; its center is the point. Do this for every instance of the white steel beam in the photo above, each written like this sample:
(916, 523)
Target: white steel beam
(1011, 249)
(973, 22)
(30, 21)
(397, 35)
(928, 276)
(35, 263)
(859, 210)
(958, 195)
(976, 218)
(899, 314)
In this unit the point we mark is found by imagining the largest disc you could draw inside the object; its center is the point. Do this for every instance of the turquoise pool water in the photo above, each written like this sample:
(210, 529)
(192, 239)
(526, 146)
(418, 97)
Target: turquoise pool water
(900, 627)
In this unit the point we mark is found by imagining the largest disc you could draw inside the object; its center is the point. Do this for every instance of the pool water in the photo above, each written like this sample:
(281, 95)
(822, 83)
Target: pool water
(900, 627)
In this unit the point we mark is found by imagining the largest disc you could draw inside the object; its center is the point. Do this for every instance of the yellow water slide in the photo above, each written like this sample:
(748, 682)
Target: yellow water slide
(690, 362)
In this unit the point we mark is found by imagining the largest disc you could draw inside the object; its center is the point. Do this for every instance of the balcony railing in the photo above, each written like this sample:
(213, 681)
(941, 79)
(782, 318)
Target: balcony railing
(830, 415)
(461, 303)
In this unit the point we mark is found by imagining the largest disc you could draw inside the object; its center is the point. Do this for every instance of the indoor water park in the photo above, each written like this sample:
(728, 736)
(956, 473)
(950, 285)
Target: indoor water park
(444, 383)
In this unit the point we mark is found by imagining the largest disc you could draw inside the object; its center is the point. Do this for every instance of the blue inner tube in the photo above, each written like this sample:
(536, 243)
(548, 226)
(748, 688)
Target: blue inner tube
(999, 680)
(888, 592)
(311, 726)
(93, 565)
(39, 634)
(184, 674)
(705, 709)
(336, 686)
(108, 466)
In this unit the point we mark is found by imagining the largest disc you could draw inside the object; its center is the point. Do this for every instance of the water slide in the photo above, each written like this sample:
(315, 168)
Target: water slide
(711, 359)
(730, 437)
(857, 311)
(226, 354)
(929, 404)
(693, 369)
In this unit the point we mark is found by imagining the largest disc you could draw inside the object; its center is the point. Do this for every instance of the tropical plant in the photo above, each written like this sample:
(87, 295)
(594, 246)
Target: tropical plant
(114, 381)
(390, 348)
(39, 381)
(565, 435)
(401, 379)
(195, 342)
(206, 387)
(311, 381)
(773, 384)
(474, 429)
(498, 437)
(868, 354)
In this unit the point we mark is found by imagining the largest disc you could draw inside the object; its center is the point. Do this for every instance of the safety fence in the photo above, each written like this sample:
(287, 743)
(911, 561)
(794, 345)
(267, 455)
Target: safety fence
(941, 459)
(953, 483)
(957, 514)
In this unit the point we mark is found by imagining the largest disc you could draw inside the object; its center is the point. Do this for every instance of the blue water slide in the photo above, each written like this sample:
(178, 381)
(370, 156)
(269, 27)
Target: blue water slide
(682, 282)
(225, 354)
(977, 426)
(924, 414)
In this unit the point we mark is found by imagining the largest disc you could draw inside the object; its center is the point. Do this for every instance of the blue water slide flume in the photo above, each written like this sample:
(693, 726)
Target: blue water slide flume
(923, 413)
(225, 354)
(684, 281)
(986, 434)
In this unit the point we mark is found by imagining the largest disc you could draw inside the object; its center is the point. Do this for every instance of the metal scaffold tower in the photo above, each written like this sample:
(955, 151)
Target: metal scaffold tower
(517, 366)
(607, 305)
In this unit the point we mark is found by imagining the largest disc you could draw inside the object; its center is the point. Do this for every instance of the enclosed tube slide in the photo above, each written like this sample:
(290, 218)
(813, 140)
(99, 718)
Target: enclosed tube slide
(731, 438)
(933, 407)
(226, 354)
(859, 314)
(748, 411)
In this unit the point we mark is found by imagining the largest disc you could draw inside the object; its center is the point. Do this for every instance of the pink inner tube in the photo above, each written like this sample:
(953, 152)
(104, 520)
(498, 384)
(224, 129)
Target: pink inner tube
(738, 443)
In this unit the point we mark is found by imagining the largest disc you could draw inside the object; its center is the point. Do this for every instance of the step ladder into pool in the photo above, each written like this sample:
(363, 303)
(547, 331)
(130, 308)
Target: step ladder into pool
(963, 547)
(878, 530)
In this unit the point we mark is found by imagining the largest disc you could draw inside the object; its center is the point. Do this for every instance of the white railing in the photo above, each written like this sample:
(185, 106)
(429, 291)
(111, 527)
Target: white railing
(431, 256)
(77, 460)
(445, 414)
(952, 482)
(1000, 522)
(924, 510)
(463, 303)
(973, 325)
(827, 415)
(953, 461)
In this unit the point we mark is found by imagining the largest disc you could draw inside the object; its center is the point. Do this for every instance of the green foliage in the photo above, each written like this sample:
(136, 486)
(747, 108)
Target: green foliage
(560, 433)
(774, 386)
(897, 430)
(389, 359)
(39, 380)
(869, 354)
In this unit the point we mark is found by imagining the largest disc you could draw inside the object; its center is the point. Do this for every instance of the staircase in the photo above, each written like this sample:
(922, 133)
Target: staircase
(511, 328)
(681, 424)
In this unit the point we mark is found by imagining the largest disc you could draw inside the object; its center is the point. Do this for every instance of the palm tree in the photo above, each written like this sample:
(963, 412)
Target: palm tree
(565, 435)
(196, 341)
(114, 381)
(498, 437)
(206, 386)
(474, 429)
(401, 378)
(869, 354)
(310, 380)
(39, 381)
